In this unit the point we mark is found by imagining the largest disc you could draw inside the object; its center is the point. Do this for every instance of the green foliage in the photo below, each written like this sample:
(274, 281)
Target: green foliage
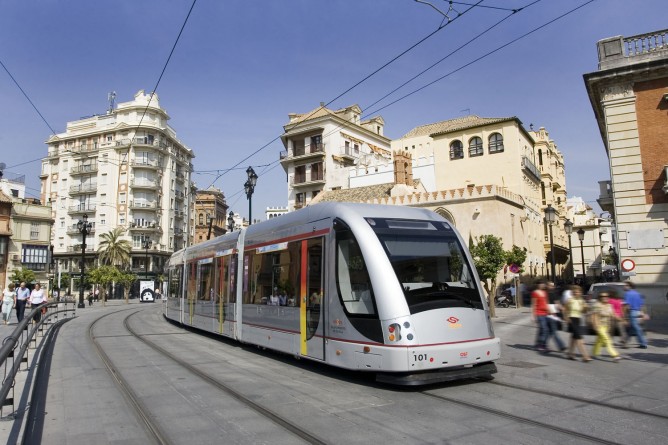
(126, 279)
(113, 250)
(517, 255)
(23, 275)
(489, 258)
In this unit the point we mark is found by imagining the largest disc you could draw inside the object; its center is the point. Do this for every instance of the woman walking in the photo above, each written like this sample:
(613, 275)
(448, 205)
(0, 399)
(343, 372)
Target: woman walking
(574, 308)
(8, 302)
(601, 320)
(37, 298)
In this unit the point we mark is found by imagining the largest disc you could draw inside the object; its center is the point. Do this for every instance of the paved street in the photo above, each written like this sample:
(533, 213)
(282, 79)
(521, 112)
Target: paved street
(83, 404)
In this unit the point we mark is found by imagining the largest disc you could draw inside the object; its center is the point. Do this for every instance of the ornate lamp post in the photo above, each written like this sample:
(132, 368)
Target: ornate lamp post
(249, 187)
(581, 237)
(84, 227)
(551, 218)
(146, 244)
(230, 221)
(568, 227)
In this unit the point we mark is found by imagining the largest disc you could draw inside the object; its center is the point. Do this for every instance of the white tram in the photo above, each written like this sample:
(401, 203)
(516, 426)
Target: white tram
(384, 289)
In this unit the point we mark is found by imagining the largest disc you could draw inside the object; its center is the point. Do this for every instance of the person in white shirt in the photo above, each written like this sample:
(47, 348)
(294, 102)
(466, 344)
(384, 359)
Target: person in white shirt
(37, 298)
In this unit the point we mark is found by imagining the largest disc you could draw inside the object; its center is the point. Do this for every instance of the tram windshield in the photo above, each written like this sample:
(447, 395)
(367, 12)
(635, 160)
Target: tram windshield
(430, 264)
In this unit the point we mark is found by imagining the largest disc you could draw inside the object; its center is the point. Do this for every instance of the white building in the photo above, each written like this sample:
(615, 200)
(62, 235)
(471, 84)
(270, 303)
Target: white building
(322, 145)
(125, 168)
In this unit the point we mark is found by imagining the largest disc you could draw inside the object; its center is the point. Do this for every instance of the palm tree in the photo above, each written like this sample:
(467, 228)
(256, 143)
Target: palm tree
(113, 250)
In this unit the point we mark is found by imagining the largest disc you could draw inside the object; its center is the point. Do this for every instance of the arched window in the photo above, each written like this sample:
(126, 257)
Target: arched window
(201, 219)
(456, 150)
(475, 146)
(495, 143)
(447, 215)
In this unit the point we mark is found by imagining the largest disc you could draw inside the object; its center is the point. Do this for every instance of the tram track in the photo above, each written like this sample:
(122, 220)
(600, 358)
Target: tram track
(154, 429)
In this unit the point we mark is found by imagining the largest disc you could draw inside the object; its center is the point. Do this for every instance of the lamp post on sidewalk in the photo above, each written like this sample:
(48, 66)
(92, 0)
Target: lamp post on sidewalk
(568, 227)
(581, 237)
(84, 228)
(249, 187)
(551, 218)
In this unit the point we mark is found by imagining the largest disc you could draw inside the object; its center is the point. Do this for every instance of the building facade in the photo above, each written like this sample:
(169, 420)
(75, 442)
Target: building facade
(5, 236)
(629, 96)
(322, 145)
(210, 214)
(125, 168)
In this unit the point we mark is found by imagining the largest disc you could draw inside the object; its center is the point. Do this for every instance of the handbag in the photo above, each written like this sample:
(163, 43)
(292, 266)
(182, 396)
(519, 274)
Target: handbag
(44, 310)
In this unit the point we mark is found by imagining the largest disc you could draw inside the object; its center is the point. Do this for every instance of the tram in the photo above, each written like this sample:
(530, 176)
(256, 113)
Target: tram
(385, 289)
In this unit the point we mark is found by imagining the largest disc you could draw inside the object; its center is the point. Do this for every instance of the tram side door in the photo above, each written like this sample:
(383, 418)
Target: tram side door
(312, 314)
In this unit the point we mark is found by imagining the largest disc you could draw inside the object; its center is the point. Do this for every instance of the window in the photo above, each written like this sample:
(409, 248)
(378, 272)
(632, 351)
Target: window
(475, 146)
(201, 219)
(121, 198)
(34, 257)
(495, 143)
(34, 230)
(456, 150)
(352, 277)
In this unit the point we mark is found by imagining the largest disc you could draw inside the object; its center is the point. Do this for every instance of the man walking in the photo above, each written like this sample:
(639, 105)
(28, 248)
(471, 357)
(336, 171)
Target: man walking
(22, 294)
(635, 303)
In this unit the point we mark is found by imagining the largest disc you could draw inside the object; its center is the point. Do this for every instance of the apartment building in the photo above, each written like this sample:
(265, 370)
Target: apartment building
(124, 168)
(322, 145)
(629, 96)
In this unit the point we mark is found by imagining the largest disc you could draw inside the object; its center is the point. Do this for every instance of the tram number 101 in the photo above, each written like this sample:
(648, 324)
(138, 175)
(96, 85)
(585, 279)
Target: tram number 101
(420, 357)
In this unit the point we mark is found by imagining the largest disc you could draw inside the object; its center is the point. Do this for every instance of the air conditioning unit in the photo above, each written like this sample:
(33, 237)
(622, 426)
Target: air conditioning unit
(16, 257)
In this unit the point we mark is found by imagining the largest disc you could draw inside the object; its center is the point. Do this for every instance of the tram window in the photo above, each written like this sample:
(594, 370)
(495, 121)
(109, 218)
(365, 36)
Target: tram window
(175, 282)
(273, 271)
(206, 282)
(353, 280)
(192, 281)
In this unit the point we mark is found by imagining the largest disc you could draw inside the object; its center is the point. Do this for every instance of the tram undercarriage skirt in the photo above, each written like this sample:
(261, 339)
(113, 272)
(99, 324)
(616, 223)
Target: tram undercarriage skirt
(484, 370)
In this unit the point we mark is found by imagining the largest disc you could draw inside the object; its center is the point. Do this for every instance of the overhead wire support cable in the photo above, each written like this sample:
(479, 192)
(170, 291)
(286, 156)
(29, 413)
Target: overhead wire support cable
(367, 77)
(489, 53)
(28, 98)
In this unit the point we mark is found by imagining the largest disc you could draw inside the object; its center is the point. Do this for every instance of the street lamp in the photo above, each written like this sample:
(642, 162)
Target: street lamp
(581, 237)
(230, 221)
(551, 218)
(249, 187)
(84, 227)
(147, 245)
(568, 227)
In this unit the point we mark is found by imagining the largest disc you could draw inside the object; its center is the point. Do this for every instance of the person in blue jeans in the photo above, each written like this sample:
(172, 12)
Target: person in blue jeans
(635, 304)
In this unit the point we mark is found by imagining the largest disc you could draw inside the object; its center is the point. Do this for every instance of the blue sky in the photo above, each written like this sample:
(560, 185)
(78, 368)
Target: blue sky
(240, 67)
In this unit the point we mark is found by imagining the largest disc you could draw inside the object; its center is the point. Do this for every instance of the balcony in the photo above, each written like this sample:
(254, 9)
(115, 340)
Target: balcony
(81, 208)
(145, 227)
(605, 196)
(83, 169)
(179, 213)
(145, 184)
(530, 169)
(180, 176)
(153, 164)
(74, 230)
(143, 205)
(305, 180)
(83, 189)
(300, 153)
(179, 195)
(84, 148)
(77, 248)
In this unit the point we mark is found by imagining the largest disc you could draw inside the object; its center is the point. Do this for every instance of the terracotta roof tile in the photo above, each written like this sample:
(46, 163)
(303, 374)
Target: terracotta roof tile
(460, 123)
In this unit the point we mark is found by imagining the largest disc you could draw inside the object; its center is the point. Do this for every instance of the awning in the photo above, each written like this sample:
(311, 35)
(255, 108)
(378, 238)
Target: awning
(561, 255)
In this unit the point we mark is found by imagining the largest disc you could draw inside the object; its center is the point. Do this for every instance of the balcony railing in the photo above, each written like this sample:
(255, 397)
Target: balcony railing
(82, 208)
(143, 205)
(530, 167)
(83, 169)
(144, 183)
(307, 179)
(304, 151)
(85, 188)
(151, 163)
(73, 229)
(77, 248)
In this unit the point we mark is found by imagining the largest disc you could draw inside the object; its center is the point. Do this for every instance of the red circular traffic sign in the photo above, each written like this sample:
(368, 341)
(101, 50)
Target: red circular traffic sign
(628, 265)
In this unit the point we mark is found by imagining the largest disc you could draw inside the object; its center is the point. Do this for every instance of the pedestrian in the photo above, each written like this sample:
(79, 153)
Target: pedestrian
(8, 302)
(36, 299)
(90, 298)
(158, 294)
(619, 322)
(554, 318)
(636, 309)
(22, 295)
(97, 294)
(539, 311)
(602, 318)
(573, 311)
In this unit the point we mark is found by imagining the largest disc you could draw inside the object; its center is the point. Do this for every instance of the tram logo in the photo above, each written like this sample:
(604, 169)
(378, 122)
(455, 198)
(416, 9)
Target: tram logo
(454, 323)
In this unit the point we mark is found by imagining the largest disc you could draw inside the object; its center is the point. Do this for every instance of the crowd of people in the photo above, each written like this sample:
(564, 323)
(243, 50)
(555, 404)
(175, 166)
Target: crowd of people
(610, 313)
(18, 298)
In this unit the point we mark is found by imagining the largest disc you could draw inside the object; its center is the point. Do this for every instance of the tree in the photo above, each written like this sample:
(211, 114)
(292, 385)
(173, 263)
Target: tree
(489, 258)
(126, 279)
(113, 250)
(23, 275)
(517, 255)
(104, 276)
